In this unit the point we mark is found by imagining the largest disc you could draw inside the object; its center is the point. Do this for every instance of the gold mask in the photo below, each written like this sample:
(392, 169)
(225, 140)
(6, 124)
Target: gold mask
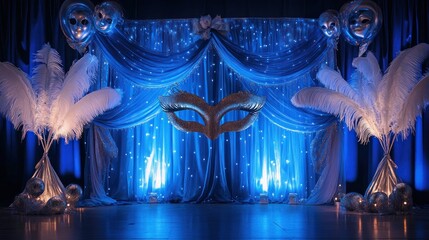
(212, 115)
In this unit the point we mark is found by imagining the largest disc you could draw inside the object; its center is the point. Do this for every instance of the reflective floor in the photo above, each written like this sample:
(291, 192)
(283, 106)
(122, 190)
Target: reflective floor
(215, 221)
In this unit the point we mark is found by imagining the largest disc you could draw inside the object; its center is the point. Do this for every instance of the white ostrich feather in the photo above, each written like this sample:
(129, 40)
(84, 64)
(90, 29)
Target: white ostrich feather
(52, 108)
(85, 110)
(48, 75)
(381, 106)
(358, 93)
(345, 108)
(402, 75)
(47, 81)
(76, 84)
(333, 80)
(367, 93)
(53, 102)
(365, 80)
(369, 68)
(42, 113)
(17, 98)
(415, 103)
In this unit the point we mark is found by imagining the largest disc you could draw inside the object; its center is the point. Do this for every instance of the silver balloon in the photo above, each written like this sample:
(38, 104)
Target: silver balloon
(55, 205)
(77, 23)
(360, 22)
(106, 16)
(73, 193)
(35, 187)
(401, 198)
(353, 202)
(329, 23)
(378, 202)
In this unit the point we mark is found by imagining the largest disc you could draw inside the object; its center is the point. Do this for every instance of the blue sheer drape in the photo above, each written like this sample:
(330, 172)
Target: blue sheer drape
(148, 68)
(268, 57)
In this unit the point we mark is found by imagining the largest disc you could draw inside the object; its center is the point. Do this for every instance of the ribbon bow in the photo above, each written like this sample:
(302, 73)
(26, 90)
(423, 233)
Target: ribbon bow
(204, 25)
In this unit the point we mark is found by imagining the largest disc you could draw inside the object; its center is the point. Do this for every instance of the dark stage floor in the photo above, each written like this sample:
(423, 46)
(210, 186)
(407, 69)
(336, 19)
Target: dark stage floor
(215, 221)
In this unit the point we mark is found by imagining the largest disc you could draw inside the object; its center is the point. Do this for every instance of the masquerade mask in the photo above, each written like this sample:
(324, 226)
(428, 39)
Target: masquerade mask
(329, 23)
(77, 23)
(212, 115)
(106, 16)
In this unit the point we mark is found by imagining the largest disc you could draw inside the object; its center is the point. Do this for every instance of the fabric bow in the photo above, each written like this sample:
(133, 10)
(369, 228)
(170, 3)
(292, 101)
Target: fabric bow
(204, 25)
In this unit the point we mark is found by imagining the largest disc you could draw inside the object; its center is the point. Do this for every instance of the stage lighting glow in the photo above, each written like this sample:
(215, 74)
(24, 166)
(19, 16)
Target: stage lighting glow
(166, 58)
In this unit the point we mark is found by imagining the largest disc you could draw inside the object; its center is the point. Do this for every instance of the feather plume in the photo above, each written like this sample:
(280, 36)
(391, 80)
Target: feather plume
(415, 103)
(367, 93)
(385, 107)
(333, 80)
(374, 104)
(365, 80)
(402, 75)
(346, 109)
(17, 98)
(76, 84)
(369, 68)
(47, 81)
(85, 110)
(42, 113)
(53, 109)
(48, 75)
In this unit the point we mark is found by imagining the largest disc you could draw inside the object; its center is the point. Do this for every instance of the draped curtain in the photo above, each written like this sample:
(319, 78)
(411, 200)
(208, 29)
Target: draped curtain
(26, 25)
(273, 58)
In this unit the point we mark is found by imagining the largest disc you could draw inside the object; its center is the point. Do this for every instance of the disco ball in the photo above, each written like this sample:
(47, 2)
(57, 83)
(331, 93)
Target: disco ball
(401, 198)
(378, 202)
(353, 202)
(35, 187)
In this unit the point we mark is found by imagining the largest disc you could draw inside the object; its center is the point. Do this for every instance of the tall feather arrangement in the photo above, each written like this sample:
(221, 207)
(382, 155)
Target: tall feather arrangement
(53, 105)
(375, 105)
(18, 101)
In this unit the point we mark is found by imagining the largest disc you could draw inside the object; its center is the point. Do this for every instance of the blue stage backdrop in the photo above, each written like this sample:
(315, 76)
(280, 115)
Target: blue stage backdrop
(279, 154)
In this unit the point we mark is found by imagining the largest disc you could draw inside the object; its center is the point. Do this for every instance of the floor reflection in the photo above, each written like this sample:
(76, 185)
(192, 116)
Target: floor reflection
(405, 226)
(214, 221)
(51, 226)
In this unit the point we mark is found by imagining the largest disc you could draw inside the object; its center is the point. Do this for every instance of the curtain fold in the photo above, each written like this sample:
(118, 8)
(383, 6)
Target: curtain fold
(274, 66)
(270, 157)
(97, 162)
(149, 68)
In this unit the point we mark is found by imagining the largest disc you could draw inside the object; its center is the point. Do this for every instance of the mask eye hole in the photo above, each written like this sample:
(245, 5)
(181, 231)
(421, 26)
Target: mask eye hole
(84, 22)
(366, 21)
(234, 115)
(190, 116)
(72, 21)
(109, 21)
